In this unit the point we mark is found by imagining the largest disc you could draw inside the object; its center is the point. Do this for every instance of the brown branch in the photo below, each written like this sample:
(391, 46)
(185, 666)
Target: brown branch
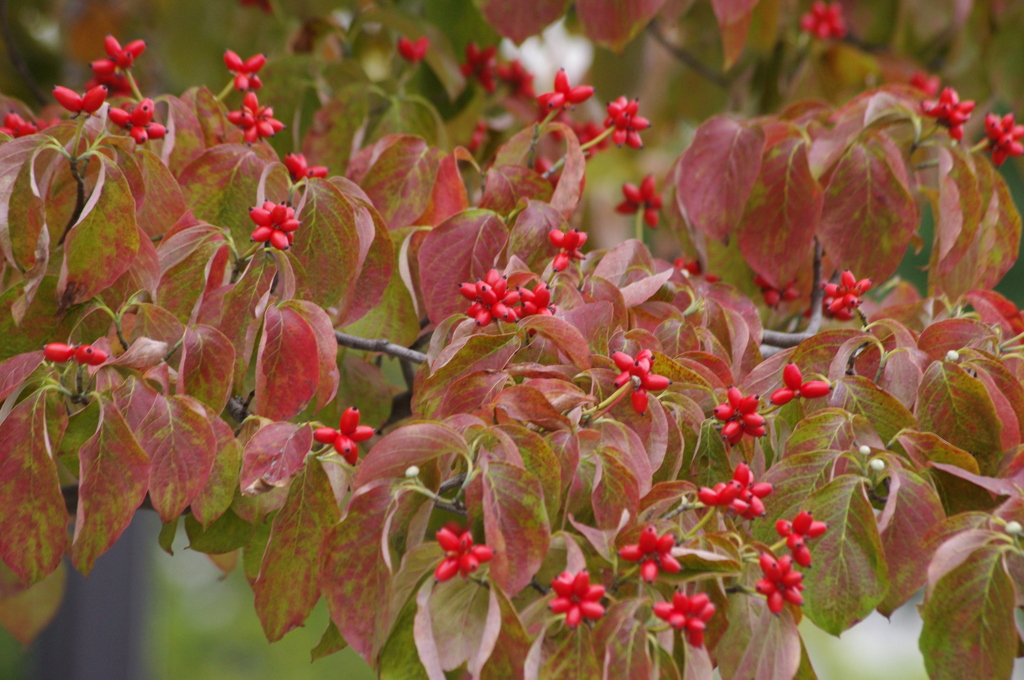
(18, 61)
(698, 67)
(775, 339)
(79, 197)
(381, 345)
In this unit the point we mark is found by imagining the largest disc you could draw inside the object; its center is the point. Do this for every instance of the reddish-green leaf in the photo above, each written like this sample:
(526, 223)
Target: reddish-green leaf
(184, 260)
(163, 203)
(613, 23)
(205, 353)
(518, 21)
(850, 576)
(273, 456)
(969, 631)
(16, 370)
(733, 21)
(104, 240)
(793, 480)
(480, 353)
(33, 515)
(27, 613)
(464, 620)
(957, 407)
(397, 173)
(334, 127)
(288, 584)
(782, 214)
(464, 248)
(959, 209)
(415, 444)
(574, 659)
(857, 394)
(113, 478)
(829, 429)
(506, 661)
(327, 348)
(717, 173)
(287, 366)
(869, 214)
(528, 239)
(219, 491)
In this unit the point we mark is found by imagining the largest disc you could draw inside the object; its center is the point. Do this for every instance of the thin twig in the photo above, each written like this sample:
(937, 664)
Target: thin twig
(779, 339)
(450, 507)
(17, 60)
(381, 345)
(449, 484)
(699, 67)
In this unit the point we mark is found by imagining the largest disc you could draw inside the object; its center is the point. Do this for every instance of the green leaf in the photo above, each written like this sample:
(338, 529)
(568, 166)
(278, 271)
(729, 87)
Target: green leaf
(104, 240)
(540, 460)
(287, 365)
(113, 478)
(793, 480)
(27, 613)
(969, 631)
(227, 533)
(782, 213)
(331, 642)
(829, 429)
(205, 352)
(869, 215)
(512, 646)
(184, 259)
(957, 408)
(859, 395)
(334, 128)
(399, 658)
(287, 587)
(574, 659)
(850, 576)
(219, 491)
(33, 514)
(166, 537)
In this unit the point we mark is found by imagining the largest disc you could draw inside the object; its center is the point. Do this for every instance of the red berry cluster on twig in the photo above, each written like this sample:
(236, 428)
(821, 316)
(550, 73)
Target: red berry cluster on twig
(460, 555)
(348, 434)
(693, 268)
(564, 95)
(88, 103)
(929, 84)
(138, 120)
(796, 387)
(781, 583)
(276, 223)
(739, 413)
(491, 299)
(519, 80)
(1004, 137)
(481, 64)
(641, 197)
(639, 368)
(654, 554)
(298, 168)
(256, 121)
(796, 534)
(824, 21)
(774, 296)
(842, 298)
(536, 301)
(60, 353)
(740, 494)
(687, 613)
(577, 599)
(949, 112)
(570, 242)
(622, 115)
(413, 51)
(16, 126)
(245, 71)
(118, 58)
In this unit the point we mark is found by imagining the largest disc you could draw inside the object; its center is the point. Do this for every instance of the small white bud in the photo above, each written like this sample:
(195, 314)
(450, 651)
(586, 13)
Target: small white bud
(952, 355)
(877, 464)
(864, 450)
(1014, 528)
(412, 471)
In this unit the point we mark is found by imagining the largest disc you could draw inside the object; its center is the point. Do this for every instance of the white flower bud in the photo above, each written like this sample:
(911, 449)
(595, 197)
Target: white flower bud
(952, 355)
(1014, 528)
(412, 471)
(864, 450)
(877, 464)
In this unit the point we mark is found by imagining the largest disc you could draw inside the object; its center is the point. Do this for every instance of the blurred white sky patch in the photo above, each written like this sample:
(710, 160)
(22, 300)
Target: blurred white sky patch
(554, 49)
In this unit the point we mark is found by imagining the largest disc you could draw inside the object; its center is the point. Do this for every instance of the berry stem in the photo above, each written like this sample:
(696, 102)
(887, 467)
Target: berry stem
(599, 410)
(583, 147)
(980, 146)
(538, 129)
(699, 525)
(135, 87)
(223, 94)
(638, 225)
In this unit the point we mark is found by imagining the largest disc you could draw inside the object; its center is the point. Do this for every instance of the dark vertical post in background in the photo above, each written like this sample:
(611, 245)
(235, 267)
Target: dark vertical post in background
(99, 632)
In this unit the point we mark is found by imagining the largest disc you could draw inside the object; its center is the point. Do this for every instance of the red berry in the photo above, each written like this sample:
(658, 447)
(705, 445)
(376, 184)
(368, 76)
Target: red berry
(58, 352)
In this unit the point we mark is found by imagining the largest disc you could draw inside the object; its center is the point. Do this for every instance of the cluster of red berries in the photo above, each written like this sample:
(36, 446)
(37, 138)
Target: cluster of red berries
(576, 598)
(460, 555)
(479, 135)
(641, 197)
(76, 103)
(1004, 137)
(949, 111)
(774, 296)
(84, 354)
(16, 126)
(570, 242)
(795, 386)
(588, 131)
(564, 95)
(687, 613)
(413, 51)
(654, 554)
(518, 79)
(276, 223)
(693, 268)
(740, 494)
(842, 298)
(298, 168)
(245, 71)
(929, 84)
(118, 58)
(639, 368)
(481, 64)
(348, 434)
(824, 21)
(138, 121)
(781, 583)
(622, 115)
(796, 534)
(536, 301)
(739, 413)
(491, 299)
(256, 121)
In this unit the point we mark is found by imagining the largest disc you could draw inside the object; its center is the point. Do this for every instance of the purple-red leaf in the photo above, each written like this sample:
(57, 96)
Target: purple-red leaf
(206, 353)
(287, 366)
(273, 456)
(613, 23)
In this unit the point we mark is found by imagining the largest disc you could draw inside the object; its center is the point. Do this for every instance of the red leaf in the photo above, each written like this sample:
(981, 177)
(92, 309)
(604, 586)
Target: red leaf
(733, 21)
(33, 515)
(464, 248)
(287, 366)
(15, 370)
(113, 476)
(219, 491)
(613, 23)
(397, 173)
(448, 197)
(415, 444)
(570, 184)
(782, 214)
(528, 239)
(288, 584)
(869, 215)
(519, 20)
(327, 348)
(376, 271)
(717, 173)
(205, 353)
(563, 335)
(273, 456)
(162, 203)
(506, 185)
